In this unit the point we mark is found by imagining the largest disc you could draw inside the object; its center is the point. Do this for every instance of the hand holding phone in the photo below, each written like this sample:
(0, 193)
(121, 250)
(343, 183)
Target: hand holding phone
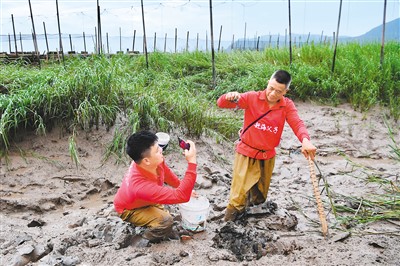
(189, 150)
(183, 144)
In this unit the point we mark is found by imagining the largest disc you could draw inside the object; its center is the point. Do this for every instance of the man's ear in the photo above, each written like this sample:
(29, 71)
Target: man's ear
(146, 161)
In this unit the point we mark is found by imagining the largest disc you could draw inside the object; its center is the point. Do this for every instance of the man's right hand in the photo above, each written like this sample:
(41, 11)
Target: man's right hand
(191, 153)
(232, 96)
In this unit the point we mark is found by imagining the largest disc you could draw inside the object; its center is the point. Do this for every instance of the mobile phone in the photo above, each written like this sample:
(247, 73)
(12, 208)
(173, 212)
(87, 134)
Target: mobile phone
(183, 144)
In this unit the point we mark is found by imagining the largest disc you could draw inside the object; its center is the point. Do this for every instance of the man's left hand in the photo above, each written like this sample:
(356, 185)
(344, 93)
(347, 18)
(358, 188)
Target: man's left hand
(308, 149)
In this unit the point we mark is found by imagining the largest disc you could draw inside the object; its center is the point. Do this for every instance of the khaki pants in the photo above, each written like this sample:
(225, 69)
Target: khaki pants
(157, 220)
(250, 182)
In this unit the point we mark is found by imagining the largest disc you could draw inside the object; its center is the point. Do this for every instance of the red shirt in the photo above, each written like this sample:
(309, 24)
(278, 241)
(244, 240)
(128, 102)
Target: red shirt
(260, 140)
(141, 188)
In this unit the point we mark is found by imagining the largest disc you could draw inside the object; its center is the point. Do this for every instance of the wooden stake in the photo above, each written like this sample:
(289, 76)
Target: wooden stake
(84, 42)
(165, 43)
(133, 41)
(45, 36)
(187, 41)
(197, 42)
(337, 38)
(144, 37)
(155, 42)
(99, 40)
(20, 41)
(290, 34)
(59, 34)
(320, 207)
(15, 36)
(176, 38)
(212, 46)
(219, 40)
(383, 34)
(9, 43)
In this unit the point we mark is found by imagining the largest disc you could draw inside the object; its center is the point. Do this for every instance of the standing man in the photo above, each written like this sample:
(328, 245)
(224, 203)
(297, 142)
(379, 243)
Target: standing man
(265, 114)
(141, 197)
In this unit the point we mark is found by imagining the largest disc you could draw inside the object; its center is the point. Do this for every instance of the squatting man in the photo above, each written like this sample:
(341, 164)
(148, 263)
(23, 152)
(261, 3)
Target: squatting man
(141, 197)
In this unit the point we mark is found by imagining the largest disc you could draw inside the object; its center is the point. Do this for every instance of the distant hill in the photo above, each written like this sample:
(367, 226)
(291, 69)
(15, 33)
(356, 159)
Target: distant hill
(392, 30)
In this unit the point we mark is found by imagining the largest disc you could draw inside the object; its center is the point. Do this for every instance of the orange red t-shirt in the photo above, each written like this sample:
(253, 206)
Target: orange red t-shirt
(141, 188)
(261, 139)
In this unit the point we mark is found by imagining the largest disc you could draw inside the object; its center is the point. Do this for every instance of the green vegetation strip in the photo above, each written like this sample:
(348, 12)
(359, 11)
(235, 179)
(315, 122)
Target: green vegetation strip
(175, 91)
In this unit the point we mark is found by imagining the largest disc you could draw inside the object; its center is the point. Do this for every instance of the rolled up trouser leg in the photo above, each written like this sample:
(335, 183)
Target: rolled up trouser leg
(258, 193)
(249, 173)
(157, 220)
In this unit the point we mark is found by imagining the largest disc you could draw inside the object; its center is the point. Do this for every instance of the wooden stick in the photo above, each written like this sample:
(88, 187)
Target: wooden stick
(320, 207)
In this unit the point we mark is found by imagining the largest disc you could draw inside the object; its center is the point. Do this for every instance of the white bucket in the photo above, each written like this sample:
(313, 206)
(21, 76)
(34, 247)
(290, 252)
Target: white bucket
(194, 213)
(163, 139)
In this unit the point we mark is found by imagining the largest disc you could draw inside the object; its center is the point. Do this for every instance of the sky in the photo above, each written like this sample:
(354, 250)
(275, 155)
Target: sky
(231, 19)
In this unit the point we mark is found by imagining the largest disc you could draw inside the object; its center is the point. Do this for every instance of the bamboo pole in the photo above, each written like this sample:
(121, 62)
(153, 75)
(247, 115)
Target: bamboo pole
(322, 36)
(95, 39)
(33, 40)
(34, 35)
(270, 39)
(155, 41)
(144, 37)
(59, 34)
(337, 37)
(9, 43)
(176, 38)
(70, 42)
(219, 40)
(33, 24)
(84, 42)
(187, 41)
(383, 33)
(45, 36)
(35, 43)
(108, 47)
(244, 37)
(320, 207)
(197, 42)
(290, 34)
(285, 38)
(15, 36)
(165, 43)
(120, 39)
(133, 40)
(99, 36)
(334, 38)
(20, 41)
(277, 42)
(212, 46)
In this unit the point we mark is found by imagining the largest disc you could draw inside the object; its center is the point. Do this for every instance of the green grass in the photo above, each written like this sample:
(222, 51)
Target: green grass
(176, 90)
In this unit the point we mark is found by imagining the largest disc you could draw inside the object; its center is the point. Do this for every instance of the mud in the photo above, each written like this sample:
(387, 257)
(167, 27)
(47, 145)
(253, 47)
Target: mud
(250, 239)
(52, 213)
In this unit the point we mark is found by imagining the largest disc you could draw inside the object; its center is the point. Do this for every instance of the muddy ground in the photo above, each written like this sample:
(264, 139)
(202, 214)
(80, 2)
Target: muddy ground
(55, 214)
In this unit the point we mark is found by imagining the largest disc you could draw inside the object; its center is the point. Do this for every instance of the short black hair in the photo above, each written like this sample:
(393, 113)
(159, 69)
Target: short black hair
(139, 144)
(283, 77)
